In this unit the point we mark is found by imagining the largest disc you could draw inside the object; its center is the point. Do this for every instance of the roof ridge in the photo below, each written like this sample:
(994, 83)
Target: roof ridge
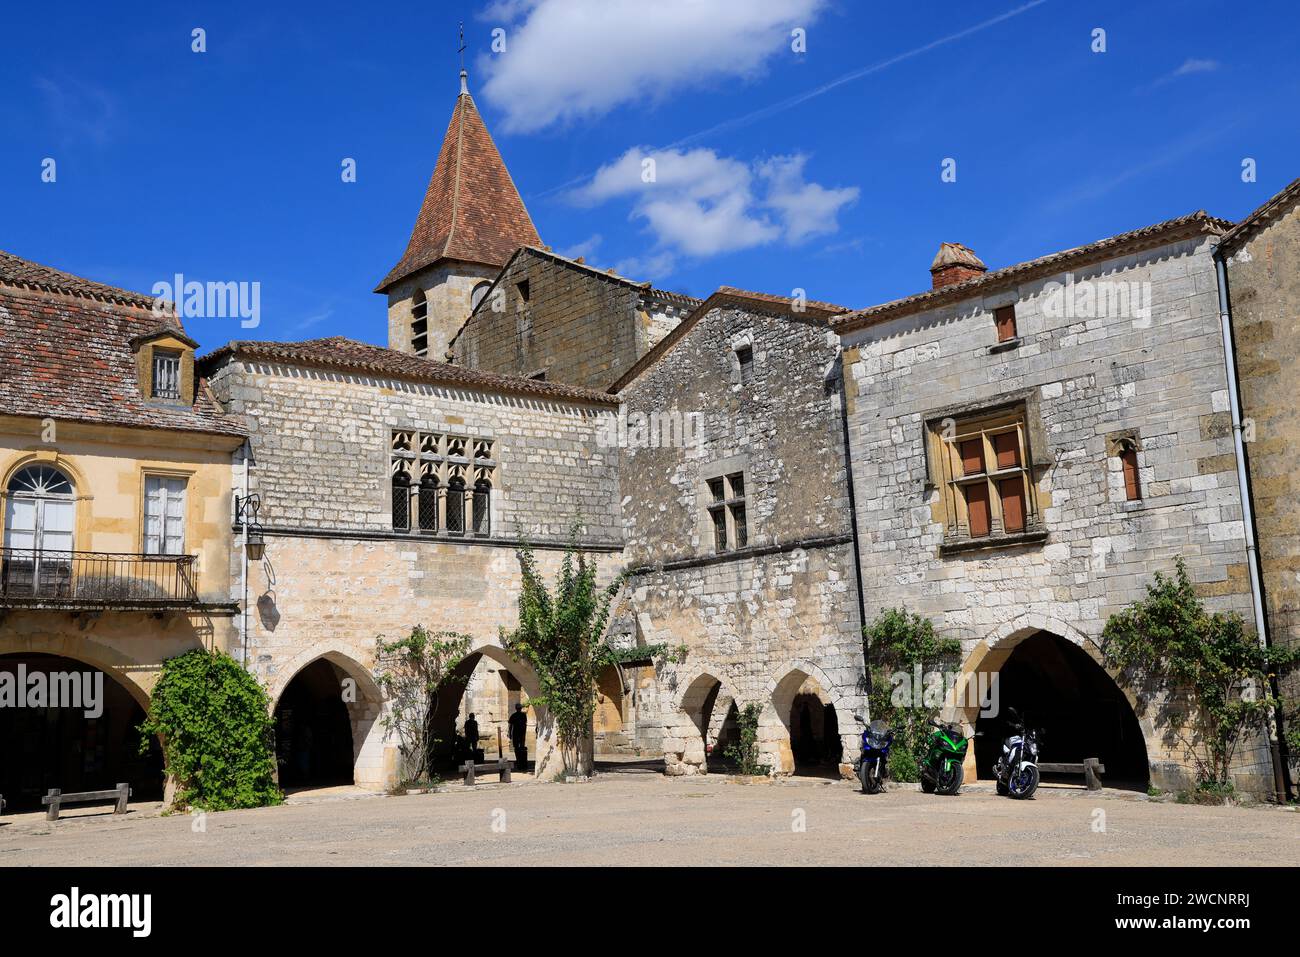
(1265, 211)
(48, 278)
(1048, 263)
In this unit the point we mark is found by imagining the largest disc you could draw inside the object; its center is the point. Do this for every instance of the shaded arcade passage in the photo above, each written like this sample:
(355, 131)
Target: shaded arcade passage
(1058, 687)
(313, 733)
(60, 747)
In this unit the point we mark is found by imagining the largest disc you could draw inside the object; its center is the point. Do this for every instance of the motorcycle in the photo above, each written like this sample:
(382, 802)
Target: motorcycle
(1017, 769)
(874, 765)
(941, 771)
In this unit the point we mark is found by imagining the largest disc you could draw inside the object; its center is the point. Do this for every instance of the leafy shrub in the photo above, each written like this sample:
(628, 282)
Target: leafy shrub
(898, 642)
(214, 721)
(1167, 640)
(745, 751)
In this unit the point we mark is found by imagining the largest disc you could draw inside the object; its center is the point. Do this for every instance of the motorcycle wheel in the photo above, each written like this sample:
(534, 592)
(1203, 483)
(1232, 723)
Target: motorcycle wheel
(950, 779)
(1024, 783)
(870, 783)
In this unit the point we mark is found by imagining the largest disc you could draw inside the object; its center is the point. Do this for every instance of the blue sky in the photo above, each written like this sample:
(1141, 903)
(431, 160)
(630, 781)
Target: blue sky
(776, 170)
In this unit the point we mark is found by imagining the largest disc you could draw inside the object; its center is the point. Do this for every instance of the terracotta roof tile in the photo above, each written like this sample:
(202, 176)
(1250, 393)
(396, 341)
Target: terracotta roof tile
(1261, 217)
(68, 355)
(471, 211)
(15, 271)
(339, 352)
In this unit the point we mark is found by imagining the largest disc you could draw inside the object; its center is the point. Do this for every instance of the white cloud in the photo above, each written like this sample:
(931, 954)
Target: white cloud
(570, 59)
(699, 204)
(1189, 67)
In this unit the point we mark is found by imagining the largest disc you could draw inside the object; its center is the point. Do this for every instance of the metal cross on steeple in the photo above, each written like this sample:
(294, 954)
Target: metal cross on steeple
(464, 76)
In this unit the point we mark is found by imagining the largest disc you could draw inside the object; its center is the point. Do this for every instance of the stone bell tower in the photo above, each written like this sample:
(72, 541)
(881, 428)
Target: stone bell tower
(471, 221)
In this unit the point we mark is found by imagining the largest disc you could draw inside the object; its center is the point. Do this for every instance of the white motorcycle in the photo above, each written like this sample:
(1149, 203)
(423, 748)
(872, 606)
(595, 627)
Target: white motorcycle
(1017, 769)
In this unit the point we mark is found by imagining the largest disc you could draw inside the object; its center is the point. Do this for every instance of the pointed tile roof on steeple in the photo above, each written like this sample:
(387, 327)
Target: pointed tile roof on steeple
(472, 211)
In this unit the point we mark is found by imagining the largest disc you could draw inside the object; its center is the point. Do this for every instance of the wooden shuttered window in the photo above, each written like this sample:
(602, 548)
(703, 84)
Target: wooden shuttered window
(1005, 319)
(1128, 458)
(987, 487)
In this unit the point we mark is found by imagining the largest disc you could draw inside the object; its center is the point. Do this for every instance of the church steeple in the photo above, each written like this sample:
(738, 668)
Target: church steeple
(471, 221)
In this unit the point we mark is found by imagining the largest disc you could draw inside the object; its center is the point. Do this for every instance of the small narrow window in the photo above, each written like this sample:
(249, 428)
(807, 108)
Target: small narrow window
(719, 517)
(482, 507)
(456, 507)
(428, 503)
(522, 288)
(1128, 458)
(1005, 316)
(419, 323)
(401, 502)
(166, 374)
(745, 355)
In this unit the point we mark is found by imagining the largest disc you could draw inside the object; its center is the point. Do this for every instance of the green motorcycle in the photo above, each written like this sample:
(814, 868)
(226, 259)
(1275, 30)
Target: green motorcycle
(941, 771)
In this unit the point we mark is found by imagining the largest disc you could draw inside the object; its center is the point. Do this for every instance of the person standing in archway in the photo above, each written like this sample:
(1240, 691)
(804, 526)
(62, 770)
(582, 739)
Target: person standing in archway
(471, 738)
(519, 737)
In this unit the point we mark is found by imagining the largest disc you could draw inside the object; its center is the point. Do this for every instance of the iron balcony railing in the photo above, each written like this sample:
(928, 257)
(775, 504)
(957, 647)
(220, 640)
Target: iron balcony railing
(96, 580)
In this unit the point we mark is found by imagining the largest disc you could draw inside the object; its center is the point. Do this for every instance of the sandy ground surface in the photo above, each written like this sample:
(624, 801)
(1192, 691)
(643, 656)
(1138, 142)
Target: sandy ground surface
(629, 818)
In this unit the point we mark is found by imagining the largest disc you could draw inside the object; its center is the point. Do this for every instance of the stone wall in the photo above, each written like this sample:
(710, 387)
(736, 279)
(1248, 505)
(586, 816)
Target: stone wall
(337, 575)
(1086, 379)
(1264, 288)
(758, 621)
(577, 325)
(449, 289)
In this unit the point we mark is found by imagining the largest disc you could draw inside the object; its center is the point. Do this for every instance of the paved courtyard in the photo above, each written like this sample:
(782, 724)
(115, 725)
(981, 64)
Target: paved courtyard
(647, 819)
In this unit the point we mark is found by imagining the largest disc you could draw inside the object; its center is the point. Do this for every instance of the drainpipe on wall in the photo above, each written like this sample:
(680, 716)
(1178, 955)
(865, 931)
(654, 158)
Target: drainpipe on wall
(243, 571)
(853, 511)
(1247, 511)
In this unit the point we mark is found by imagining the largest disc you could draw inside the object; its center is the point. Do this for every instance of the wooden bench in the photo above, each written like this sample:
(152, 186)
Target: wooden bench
(502, 767)
(1091, 768)
(56, 798)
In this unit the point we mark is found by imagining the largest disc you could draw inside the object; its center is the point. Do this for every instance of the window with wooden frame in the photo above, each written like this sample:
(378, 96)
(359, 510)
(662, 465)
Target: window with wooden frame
(442, 484)
(1004, 317)
(1126, 450)
(166, 374)
(985, 476)
(727, 512)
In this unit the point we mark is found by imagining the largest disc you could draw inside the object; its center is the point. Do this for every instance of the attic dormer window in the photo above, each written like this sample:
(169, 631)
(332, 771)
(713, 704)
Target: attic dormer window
(166, 374)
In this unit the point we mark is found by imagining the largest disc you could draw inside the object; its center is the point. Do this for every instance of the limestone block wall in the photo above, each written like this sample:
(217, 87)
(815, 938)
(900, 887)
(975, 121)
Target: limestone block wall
(577, 325)
(448, 289)
(1264, 287)
(761, 619)
(1162, 376)
(337, 575)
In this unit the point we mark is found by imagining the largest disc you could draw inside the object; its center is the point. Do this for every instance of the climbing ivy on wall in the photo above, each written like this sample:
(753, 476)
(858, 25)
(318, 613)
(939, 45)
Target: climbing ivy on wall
(214, 721)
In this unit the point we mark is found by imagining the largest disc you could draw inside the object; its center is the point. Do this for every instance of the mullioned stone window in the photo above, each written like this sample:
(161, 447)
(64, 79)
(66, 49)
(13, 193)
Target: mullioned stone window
(727, 512)
(442, 483)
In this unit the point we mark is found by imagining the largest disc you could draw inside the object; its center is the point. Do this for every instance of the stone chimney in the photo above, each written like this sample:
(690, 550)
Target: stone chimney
(954, 263)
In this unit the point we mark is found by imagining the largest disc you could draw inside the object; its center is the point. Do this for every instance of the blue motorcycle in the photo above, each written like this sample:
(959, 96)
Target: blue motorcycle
(874, 766)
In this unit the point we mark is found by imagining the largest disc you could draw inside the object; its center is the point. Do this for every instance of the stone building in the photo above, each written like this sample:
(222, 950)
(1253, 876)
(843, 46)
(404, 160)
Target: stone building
(394, 492)
(471, 221)
(739, 536)
(1261, 264)
(1029, 447)
(549, 317)
(115, 476)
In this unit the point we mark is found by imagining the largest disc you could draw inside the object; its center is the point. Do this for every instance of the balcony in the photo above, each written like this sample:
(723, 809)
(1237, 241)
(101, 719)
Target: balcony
(101, 581)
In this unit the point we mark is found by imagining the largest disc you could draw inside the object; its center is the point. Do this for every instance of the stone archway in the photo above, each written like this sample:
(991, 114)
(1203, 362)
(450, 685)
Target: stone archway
(1050, 666)
(544, 753)
(780, 725)
(358, 701)
(72, 725)
(693, 723)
